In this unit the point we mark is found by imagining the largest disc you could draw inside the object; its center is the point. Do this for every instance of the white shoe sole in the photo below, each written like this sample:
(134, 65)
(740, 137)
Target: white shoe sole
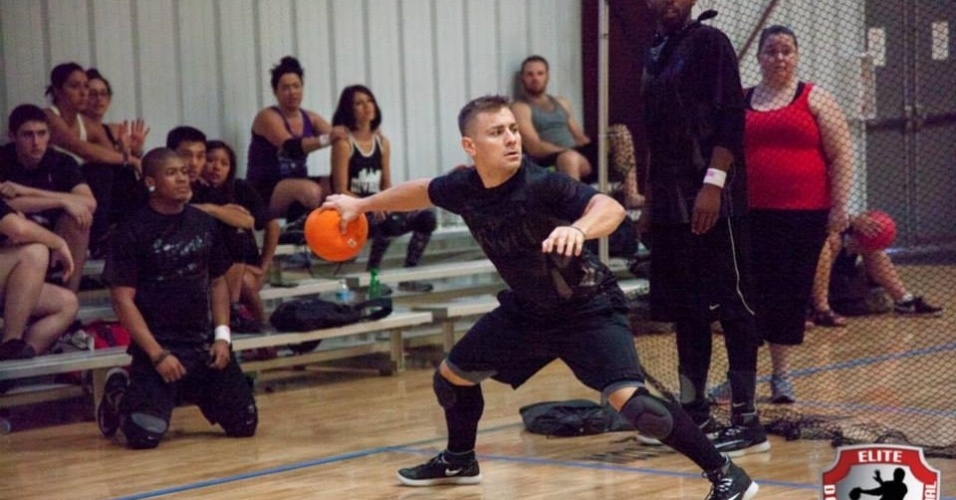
(751, 491)
(439, 480)
(750, 450)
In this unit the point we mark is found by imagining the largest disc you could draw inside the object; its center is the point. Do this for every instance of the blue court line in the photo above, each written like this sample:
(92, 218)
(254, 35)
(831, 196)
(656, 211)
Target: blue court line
(262, 473)
(854, 363)
(870, 360)
(433, 451)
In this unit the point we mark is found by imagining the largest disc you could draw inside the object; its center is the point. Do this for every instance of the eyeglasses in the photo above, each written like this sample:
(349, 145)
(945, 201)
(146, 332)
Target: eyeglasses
(97, 94)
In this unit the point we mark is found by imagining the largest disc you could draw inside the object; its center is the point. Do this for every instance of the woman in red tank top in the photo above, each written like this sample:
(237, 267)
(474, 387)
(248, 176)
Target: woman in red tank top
(799, 170)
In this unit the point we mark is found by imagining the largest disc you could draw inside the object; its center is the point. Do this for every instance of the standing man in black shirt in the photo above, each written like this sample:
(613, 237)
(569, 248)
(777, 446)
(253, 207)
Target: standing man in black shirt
(165, 271)
(694, 114)
(562, 302)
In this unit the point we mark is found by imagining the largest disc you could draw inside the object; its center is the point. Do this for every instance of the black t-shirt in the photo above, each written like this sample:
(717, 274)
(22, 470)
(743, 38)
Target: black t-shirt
(56, 172)
(170, 261)
(693, 101)
(511, 220)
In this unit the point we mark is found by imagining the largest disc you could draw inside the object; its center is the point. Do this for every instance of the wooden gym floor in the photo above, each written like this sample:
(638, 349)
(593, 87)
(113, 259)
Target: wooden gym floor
(342, 434)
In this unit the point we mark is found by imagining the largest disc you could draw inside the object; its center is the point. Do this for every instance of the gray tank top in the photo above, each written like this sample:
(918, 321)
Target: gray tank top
(552, 126)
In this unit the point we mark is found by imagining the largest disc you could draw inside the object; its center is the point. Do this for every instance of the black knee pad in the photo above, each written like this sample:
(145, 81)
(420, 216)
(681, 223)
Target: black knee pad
(649, 415)
(240, 423)
(143, 431)
(444, 391)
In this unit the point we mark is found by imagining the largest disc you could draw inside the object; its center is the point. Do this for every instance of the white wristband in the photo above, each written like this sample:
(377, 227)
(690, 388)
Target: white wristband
(325, 140)
(715, 176)
(222, 332)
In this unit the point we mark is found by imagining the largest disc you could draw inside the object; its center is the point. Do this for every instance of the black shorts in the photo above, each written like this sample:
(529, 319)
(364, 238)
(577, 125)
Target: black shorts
(241, 245)
(596, 343)
(786, 248)
(216, 392)
(701, 276)
(265, 188)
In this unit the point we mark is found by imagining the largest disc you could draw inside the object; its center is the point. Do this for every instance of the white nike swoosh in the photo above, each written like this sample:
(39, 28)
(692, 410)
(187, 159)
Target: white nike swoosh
(452, 472)
(713, 307)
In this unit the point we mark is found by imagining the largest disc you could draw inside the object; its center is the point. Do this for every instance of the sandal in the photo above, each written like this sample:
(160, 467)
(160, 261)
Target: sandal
(828, 319)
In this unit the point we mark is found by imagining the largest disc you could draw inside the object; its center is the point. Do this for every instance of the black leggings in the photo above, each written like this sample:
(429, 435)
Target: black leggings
(420, 223)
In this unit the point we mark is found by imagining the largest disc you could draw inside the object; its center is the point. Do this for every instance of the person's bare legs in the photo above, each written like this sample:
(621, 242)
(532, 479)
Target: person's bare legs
(574, 164)
(56, 309)
(234, 281)
(822, 314)
(306, 192)
(881, 270)
(78, 240)
(251, 284)
(821, 279)
(22, 270)
(780, 358)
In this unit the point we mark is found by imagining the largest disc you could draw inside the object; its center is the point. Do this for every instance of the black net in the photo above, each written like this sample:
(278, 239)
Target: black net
(876, 364)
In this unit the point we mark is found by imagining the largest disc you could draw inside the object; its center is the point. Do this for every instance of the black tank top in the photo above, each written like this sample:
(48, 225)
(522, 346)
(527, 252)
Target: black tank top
(365, 169)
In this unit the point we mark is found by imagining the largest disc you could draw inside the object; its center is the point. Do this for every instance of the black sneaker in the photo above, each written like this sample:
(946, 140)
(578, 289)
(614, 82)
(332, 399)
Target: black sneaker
(108, 411)
(294, 232)
(415, 286)
(16, 349)
(439, 471)
(731, 483)
(917, 306)
(744, 436)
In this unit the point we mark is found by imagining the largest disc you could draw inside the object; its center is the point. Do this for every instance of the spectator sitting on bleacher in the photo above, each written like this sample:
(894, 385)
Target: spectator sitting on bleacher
(75, 134)
(116, 187)
(35, 313)
(166, 271)
(282, 138)
(838, 263)
(190, 144)
(247, 274)
(552, 137)
(361, 167)
(46, 185)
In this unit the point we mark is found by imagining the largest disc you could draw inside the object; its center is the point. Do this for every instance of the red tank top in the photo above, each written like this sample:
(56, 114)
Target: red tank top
(786, 164)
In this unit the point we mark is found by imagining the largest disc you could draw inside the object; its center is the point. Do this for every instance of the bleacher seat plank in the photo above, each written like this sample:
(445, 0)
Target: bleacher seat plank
(423, 273)
(302, 287)
(64, 363)
(393, 323)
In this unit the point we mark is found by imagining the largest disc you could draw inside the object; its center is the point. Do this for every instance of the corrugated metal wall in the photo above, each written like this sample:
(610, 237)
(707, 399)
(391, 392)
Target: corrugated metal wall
(205, 62)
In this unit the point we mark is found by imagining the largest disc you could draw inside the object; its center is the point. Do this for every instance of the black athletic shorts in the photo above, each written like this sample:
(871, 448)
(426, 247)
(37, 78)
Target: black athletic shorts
(786, 248)
(510, 347)
(705, 275)
(216, 392)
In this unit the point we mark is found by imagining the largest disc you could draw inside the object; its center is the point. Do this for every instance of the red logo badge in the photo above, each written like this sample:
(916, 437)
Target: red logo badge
(884, 471)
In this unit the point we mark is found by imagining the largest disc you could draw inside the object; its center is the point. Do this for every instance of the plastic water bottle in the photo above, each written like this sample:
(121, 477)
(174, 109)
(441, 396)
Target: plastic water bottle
(343, 294)
(374, 287)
